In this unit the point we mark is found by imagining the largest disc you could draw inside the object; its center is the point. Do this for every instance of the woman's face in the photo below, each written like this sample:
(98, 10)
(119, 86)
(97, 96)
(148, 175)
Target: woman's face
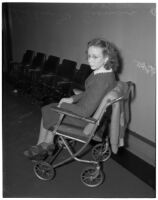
(96, 59)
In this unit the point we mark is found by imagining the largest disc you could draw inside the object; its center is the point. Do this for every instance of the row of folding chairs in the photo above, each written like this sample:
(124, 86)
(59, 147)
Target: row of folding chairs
(45, 77)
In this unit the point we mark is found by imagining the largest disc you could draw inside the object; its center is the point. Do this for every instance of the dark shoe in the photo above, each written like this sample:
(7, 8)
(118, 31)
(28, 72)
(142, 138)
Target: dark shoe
(36, 152)
(50, 149)
(97, 138)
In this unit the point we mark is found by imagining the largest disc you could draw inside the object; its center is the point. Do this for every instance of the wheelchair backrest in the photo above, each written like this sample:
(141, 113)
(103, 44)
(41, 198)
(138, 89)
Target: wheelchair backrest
(120, 93)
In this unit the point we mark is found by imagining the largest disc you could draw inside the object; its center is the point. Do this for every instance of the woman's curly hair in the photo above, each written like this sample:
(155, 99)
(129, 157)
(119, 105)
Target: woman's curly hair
(108, 49)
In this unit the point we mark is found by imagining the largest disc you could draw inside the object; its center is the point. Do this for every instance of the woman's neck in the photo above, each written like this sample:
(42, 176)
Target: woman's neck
(102, 70)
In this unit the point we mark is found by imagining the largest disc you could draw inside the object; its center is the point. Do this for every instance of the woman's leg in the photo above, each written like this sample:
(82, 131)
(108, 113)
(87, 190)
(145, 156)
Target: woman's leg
(49, 137)
(45, 141)
(42, 134)
(49, 118)
(45, 136)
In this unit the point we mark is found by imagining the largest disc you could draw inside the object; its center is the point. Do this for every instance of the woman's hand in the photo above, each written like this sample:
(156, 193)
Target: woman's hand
(65, 100)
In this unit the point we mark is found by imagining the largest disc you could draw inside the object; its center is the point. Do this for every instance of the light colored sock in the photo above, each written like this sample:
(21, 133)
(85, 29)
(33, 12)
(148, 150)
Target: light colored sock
(49, 138)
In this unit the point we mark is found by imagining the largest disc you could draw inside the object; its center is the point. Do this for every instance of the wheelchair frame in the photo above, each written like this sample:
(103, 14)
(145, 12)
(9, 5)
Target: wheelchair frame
(101, 152)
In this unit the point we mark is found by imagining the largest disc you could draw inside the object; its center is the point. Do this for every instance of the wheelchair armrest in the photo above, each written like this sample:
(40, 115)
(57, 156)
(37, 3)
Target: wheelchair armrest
(71, 114)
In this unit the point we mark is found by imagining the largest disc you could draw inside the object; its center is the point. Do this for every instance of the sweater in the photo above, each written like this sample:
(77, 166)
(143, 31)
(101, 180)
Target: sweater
(96, 86)
(84, 104)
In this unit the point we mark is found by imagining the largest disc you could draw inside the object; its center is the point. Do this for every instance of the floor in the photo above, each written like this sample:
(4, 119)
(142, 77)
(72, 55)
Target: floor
(21, 121)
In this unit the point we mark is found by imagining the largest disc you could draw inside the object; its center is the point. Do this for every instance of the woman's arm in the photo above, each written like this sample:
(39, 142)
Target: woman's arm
(77, 97)
(70, 100)
(90, 100)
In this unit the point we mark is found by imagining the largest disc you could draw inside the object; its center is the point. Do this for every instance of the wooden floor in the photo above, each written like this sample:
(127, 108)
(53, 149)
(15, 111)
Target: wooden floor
(21, 122)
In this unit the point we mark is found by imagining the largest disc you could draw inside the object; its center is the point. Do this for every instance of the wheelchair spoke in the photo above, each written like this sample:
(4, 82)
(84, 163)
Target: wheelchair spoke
(101, 152)
(44, 170)
(91, 177)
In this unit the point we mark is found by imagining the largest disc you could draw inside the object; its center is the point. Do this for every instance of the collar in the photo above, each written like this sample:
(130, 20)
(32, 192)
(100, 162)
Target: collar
(102, 71)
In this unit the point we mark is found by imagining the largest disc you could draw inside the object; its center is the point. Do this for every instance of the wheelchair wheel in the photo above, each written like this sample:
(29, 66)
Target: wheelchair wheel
(101, 152)
(44, 171)
(92, 177)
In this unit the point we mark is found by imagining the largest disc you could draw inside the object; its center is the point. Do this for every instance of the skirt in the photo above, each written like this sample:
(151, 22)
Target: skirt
(51, 117)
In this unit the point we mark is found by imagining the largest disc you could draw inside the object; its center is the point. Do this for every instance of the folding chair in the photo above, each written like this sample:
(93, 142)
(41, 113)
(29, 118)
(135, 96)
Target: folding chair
(46, 74)
(49, 69)
(80, 77)
(78, 82)
(36, 67)
(50, 66)
(17, 68)
(65, 73)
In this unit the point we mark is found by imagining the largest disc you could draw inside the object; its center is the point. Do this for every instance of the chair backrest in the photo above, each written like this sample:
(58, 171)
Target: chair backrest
(50, 66)
(81, 74)
(38, 60)
(120, 93)
(67, 69)
(28, 57)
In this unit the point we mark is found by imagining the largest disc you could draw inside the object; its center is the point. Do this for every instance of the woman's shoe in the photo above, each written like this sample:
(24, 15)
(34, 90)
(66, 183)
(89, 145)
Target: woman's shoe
(36, 152)
(51, 149)
(39, 152)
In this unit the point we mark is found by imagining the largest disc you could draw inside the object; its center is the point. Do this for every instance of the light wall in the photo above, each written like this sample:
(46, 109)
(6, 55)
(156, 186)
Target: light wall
(64, 30)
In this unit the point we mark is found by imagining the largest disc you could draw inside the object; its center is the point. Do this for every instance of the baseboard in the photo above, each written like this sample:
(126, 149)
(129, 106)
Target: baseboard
(141, 147)
(135, 164)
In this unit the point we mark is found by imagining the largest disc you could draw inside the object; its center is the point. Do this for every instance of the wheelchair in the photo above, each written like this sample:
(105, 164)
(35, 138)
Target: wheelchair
(67, 136)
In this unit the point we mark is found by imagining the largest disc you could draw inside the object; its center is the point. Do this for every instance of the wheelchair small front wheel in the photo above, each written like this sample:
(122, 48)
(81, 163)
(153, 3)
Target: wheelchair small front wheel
(101, 152)
(92, 177)
(44, 171)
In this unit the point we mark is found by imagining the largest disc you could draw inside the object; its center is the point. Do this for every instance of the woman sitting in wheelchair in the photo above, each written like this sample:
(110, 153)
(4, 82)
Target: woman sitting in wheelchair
(103, 60)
